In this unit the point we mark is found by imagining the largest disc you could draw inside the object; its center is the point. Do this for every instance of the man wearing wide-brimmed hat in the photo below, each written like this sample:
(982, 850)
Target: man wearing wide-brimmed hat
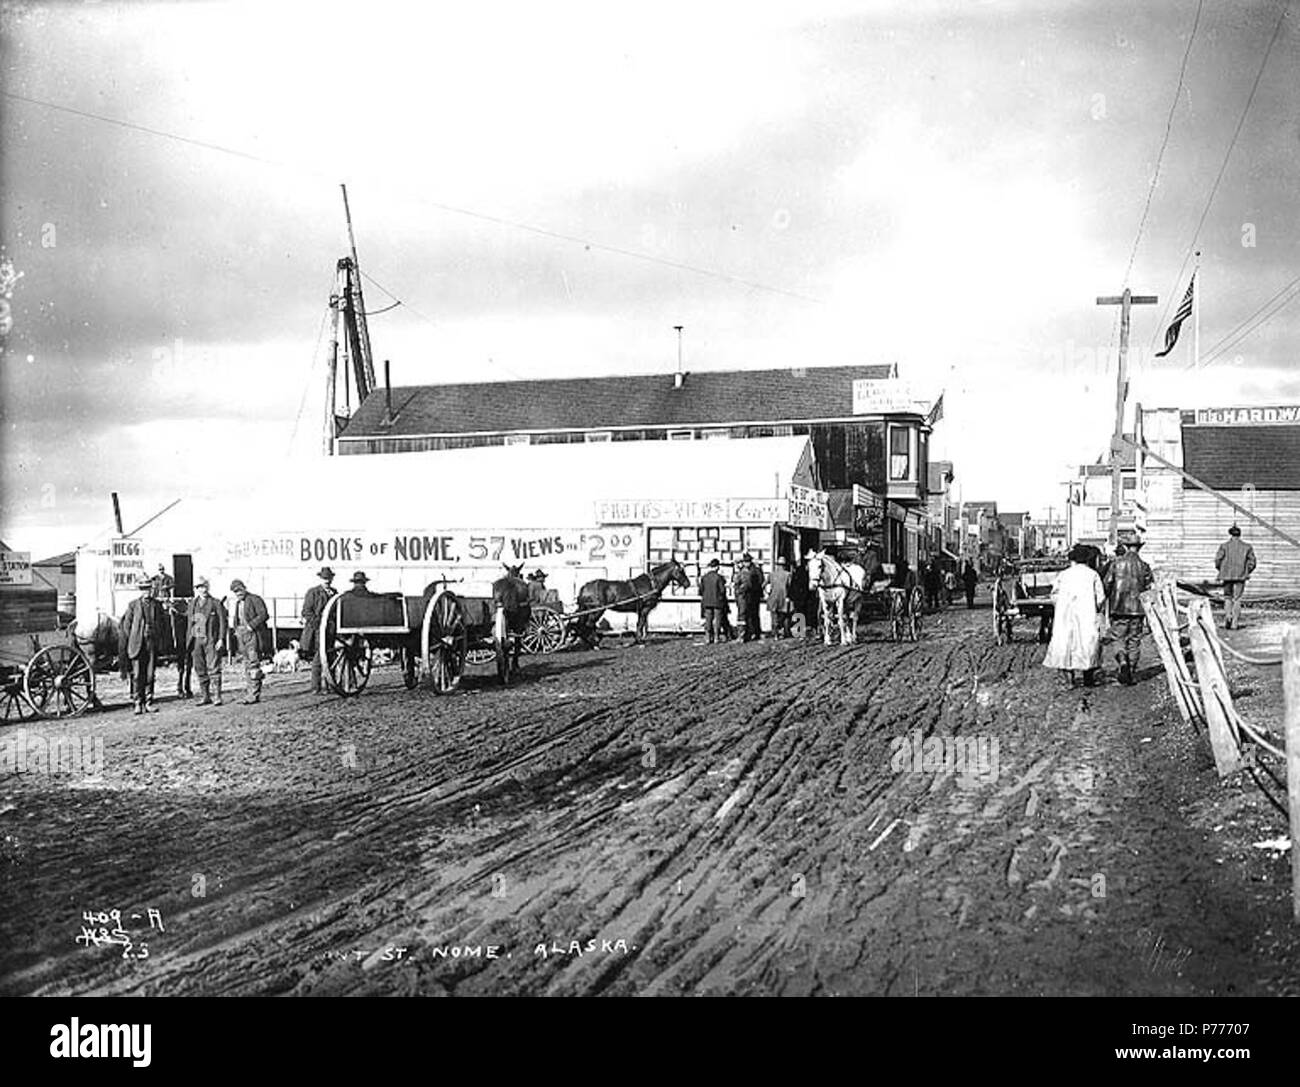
(1126, 579)
(142, 628)
(248, 619)
(1235, 562)
(205, 627)
(359, 584)
(313, 609)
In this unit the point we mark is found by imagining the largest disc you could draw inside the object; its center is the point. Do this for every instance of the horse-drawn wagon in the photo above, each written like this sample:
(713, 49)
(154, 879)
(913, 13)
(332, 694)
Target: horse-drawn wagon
(1023, 590)
(55, 680)
(433, 634)
(848, 589)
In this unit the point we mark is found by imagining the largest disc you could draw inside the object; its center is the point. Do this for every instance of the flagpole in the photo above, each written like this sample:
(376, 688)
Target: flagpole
(1196, 314)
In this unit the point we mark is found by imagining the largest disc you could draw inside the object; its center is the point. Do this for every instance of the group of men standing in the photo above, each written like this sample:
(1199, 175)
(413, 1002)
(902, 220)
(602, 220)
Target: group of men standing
(147, 625)
(748, 585)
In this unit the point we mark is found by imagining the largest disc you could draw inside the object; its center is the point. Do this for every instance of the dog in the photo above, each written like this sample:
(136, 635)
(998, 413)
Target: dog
(286, 660)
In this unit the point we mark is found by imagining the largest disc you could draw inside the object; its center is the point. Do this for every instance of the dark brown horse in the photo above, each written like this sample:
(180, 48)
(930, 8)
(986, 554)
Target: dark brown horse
(640, 595)
(511, 594)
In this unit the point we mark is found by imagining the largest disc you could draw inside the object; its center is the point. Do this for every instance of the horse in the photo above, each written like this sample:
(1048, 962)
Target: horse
(640, 595)
(511, 594)
(840, 586)
(176, 610)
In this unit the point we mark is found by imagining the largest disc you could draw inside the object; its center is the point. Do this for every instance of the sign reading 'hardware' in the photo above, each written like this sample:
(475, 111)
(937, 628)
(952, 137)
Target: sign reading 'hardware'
(1247, 416)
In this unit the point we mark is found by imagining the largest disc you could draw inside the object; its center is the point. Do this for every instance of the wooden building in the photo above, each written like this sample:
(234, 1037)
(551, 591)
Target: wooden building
(869, 434)
(1246, 456)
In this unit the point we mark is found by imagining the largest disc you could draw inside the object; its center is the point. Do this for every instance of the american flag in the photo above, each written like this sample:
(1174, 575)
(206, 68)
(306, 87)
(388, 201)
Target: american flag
(1184, 312)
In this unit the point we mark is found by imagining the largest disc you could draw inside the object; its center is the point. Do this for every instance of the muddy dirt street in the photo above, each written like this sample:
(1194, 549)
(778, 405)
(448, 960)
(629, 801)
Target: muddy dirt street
(674, 819)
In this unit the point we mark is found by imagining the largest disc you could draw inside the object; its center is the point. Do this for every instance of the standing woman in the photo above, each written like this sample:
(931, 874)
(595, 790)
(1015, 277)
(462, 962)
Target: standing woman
(1076, 629)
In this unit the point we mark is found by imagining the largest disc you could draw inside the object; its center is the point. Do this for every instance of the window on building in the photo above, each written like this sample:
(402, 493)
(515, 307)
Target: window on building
(518, 439)
(900, 453)
(1103, 517)
(681, 435)
(713, 435)
(599, 436)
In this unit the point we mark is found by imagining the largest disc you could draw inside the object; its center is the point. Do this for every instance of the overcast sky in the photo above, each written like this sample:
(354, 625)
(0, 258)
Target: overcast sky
(945, 185)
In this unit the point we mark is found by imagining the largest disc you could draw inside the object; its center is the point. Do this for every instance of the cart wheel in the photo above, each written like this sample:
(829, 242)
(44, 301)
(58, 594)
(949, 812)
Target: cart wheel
(1045, 630)
(59, 682)
(443, 641)
(13, 700)
(501, 645)
(545, 633)
(914, 619)
(345, 658)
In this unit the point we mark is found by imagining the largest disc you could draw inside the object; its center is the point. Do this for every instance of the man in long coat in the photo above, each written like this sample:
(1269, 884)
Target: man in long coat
(1126, 579)
(253, 634)
(142, 630)
(205, 634)
(1235, 562)
(779, 602)
(313, 610)
(713, 603)
(1076, 628)
(748, 585)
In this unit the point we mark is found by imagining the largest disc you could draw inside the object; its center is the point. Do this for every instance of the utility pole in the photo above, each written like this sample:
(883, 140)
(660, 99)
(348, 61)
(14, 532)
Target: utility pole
(680, 377)
(1124, 301)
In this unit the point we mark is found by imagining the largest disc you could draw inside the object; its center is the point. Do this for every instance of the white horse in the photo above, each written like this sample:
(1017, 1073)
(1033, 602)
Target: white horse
(840, 586)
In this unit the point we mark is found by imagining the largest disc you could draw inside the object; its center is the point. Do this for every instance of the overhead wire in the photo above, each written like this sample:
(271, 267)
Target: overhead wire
(1254, 322)
(531, 228)
(1160, 157)
(1205, 211)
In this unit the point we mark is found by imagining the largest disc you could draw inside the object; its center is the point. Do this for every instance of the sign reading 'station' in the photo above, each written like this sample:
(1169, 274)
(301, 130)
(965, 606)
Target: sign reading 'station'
(15, 567)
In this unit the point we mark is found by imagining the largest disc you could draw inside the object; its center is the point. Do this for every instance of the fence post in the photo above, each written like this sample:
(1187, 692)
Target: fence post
(1167, 646)
(1291, 692)
(1209, 673)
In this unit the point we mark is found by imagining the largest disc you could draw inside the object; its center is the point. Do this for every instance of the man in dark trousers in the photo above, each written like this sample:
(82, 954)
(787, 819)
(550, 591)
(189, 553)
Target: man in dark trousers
(1126, 579)
(748, 585)
(969, 579)
(205, 633)
(142, 628)
(252, 633)
(778, 599)
(713, 603)
(1235, 562)
(313, 610)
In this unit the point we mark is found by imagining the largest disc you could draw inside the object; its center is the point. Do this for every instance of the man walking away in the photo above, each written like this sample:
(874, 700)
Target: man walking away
(1126, 579)
(250, 626)
(779, 602)
(313, 610)
(141, 631)
(1235, 562)
(205, 626)
(969, 579)
(713, 603)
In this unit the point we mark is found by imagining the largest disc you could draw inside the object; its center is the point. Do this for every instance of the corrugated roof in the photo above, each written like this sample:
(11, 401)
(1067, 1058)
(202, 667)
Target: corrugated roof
(638, 400)
(1230, 457)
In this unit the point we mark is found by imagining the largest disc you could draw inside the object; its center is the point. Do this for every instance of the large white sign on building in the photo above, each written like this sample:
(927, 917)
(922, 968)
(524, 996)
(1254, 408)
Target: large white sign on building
(15, 567)
(875, 397)
(686, 511)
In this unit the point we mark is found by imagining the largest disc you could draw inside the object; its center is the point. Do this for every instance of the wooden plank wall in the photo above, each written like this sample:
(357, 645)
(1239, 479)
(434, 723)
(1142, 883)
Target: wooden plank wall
(28, 611)
(1184, 541)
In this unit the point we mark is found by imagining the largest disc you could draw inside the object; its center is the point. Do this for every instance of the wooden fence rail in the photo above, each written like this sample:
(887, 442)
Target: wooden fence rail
(1206, 697)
